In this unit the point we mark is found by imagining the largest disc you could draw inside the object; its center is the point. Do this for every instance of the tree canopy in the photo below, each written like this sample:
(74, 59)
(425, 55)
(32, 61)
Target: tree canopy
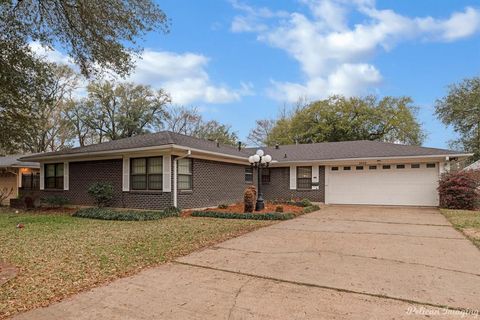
(460, 108)
(338, 118)
(96, 34)
(190, 122)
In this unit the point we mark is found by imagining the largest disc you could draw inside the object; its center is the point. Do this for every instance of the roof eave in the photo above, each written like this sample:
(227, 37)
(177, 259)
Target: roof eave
(445, 156)
(94, 154)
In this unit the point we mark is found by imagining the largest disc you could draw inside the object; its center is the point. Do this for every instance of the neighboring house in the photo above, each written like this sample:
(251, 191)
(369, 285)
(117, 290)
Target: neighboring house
(15, 174)
(155, 171)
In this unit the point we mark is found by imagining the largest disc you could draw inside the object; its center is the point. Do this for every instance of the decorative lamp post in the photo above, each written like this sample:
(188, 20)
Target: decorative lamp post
(259, 160)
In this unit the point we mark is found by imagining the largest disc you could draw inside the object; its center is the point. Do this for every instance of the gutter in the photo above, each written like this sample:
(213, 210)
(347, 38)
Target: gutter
(175, 190)
(447, 158)
(119, 152)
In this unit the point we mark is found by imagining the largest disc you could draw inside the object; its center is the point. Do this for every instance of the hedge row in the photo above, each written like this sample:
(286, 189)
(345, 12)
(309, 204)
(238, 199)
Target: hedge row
(121, 215)
(250, 216)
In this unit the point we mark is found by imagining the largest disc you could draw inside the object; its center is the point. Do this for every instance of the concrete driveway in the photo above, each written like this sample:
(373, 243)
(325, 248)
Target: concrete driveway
(342, 262)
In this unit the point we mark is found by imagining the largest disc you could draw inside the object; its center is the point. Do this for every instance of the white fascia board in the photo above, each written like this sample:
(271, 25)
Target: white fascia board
(334, 161)
(114, 154)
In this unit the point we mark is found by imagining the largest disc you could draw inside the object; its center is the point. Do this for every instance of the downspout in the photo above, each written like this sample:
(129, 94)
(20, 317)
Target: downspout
(175, 191)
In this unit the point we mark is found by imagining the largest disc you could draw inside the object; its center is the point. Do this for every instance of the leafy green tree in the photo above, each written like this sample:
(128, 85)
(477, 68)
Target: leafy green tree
(39, 125)
(116, 111)
(341, 119)
(96, 34)
(460, 108)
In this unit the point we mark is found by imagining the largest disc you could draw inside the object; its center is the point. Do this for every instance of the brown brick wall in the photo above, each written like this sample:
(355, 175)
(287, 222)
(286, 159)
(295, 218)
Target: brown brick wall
(279, 186)
(214, 183)
(85, 173)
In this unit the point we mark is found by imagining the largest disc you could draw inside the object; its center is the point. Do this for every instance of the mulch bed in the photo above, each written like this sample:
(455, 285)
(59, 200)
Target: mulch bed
(238, 208)
(7, 272)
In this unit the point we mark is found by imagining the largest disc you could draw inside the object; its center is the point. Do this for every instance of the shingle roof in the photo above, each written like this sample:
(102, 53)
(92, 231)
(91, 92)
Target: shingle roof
(12, 161)
(348, 150)
(149, 140)
(300, 152)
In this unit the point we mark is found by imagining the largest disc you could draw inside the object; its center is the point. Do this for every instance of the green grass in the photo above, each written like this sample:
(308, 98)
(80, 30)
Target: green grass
(58, 255)
(468, 222)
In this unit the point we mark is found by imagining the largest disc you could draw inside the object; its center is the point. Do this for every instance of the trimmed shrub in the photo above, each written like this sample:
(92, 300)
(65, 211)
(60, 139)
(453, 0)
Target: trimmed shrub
(458, 190)
(279, 209)
(250, 216)
(305, 203)
(249, 198)
(222, 206)
(110, 214)
(172, 211)
(102, 193)
(56, 201)
(311, 208)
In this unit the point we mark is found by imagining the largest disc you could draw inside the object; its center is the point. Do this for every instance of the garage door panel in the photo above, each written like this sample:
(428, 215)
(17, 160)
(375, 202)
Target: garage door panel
(384, 187)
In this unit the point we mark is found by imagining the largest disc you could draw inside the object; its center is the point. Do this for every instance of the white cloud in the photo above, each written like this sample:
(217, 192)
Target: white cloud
(333, 55)
(184, 76)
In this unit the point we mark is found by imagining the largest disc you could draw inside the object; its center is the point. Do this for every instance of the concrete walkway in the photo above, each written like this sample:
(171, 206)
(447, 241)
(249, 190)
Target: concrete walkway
(342, 262)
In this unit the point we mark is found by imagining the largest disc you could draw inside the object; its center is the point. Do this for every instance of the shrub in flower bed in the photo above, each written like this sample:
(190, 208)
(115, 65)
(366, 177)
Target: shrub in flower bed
(125, 215)
(278, 215)
(250, 216)
(298, 203)
(311, 208)
(459, 190)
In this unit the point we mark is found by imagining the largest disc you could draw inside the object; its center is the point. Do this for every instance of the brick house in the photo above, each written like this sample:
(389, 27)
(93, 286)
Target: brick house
(155, 171)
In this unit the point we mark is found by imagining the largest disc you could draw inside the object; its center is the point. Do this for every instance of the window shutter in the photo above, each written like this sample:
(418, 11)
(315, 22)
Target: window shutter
(126, 174)
(315, 177)
(42, 176)
(167, 173)
(293, 177)
(66, 174)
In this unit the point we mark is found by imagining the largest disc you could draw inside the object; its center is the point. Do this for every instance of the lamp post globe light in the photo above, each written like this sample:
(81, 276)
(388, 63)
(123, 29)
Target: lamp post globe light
(259, 160)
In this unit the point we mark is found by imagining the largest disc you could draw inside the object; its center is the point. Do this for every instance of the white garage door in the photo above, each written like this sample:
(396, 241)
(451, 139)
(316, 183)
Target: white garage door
(404, 184)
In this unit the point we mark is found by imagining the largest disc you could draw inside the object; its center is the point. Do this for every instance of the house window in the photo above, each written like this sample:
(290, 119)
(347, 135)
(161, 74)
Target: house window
(359, 168)
(346, 168)
(184, 176)
(146, 173)
(249, 175)
(430, 165)
(334, 168)
(386, 166)
(265, 176)
(304, 177)
(372, 167)
(400, 166)
(415, 166)
(54, 176)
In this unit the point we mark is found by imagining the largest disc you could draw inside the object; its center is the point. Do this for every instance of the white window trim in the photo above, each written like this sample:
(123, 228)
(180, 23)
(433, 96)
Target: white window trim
(126, 174)
(315, 177)
(66, 176)
(293, 177)
(167, 175)
(42, 176)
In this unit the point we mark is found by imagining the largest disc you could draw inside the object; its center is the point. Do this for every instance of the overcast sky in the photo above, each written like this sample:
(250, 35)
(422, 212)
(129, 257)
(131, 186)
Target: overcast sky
(238, 61)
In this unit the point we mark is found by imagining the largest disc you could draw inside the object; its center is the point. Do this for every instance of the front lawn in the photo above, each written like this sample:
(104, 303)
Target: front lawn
(466, 221)
(58, 255)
